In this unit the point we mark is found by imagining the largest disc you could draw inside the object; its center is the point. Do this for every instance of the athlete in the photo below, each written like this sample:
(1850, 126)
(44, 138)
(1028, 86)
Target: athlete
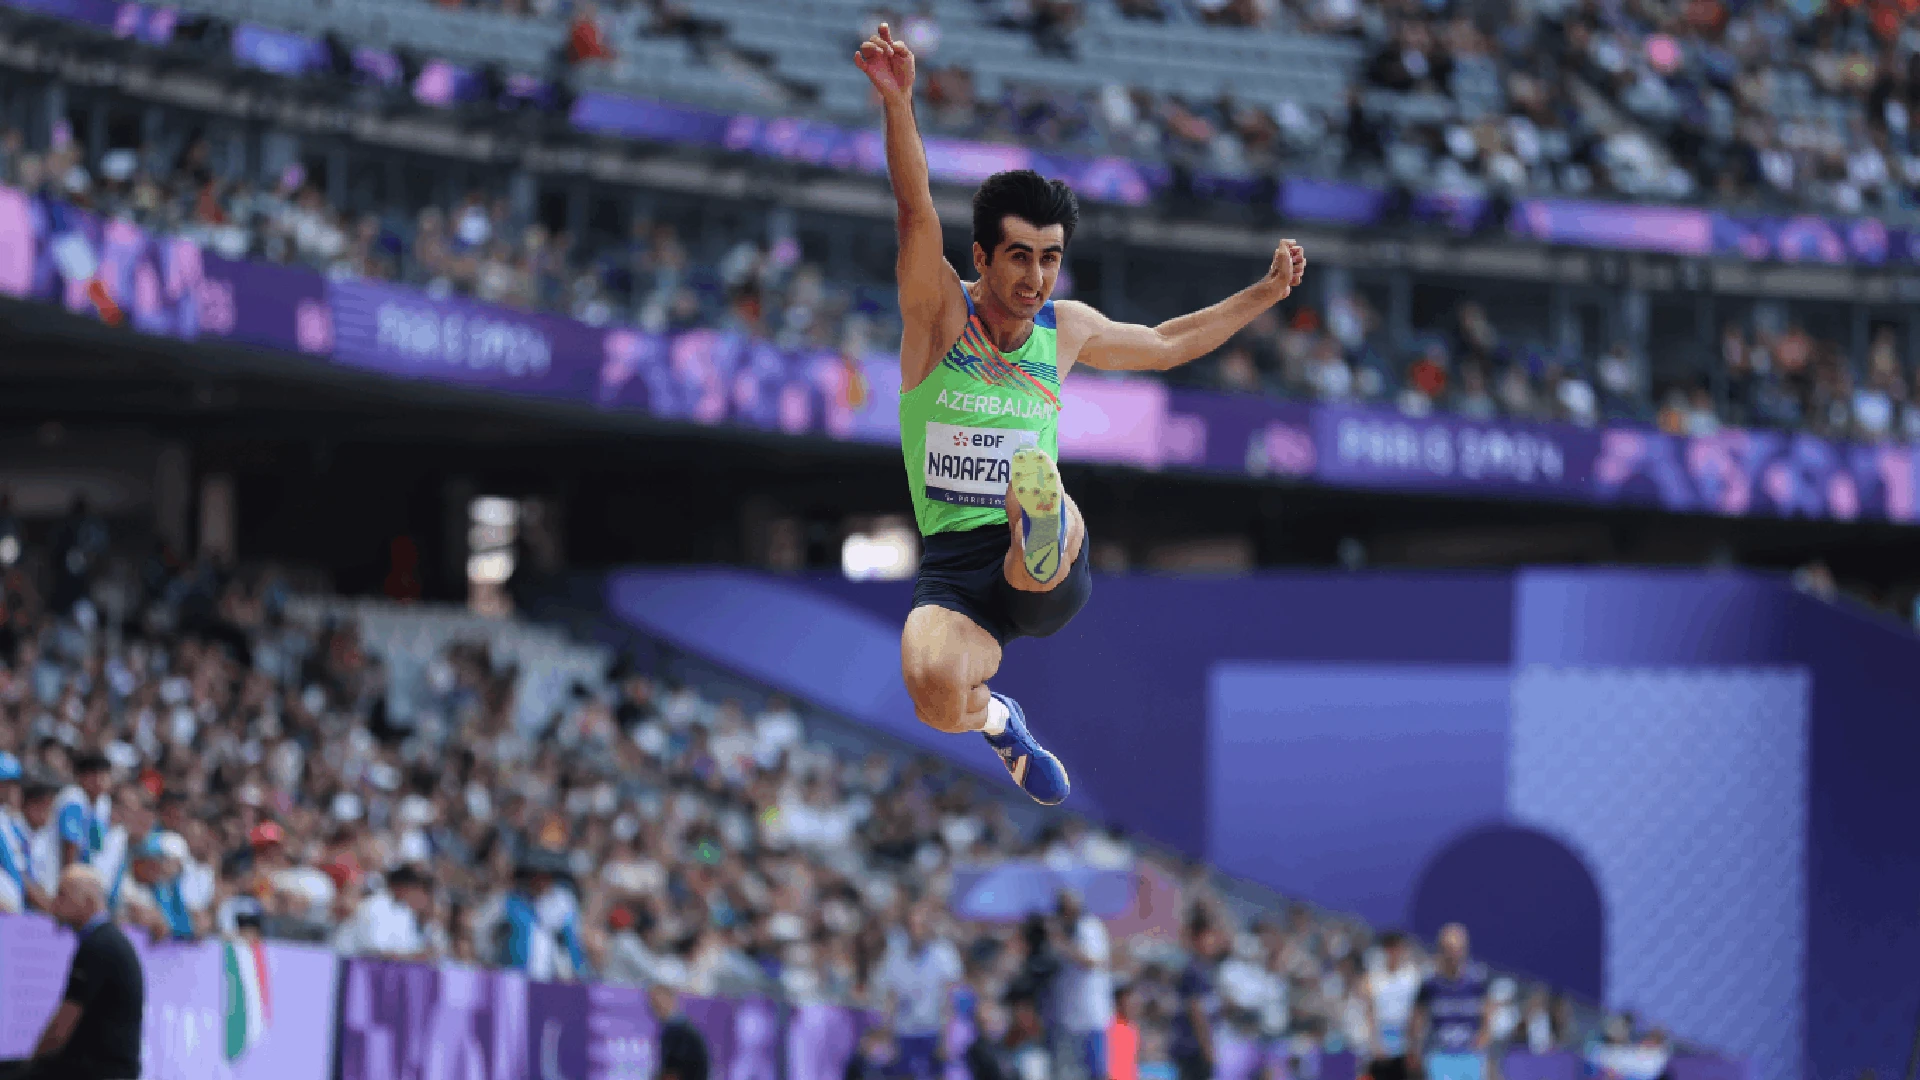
(980, 370)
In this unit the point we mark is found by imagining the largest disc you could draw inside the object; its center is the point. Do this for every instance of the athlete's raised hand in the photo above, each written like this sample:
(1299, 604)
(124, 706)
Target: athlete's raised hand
(888, 65)
(1288, 267)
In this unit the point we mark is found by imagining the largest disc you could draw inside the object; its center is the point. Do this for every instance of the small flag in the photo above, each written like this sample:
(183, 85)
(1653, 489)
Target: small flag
(249, 1003)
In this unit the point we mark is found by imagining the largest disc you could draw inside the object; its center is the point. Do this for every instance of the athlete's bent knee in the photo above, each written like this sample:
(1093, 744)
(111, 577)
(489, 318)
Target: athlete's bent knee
(939, 693)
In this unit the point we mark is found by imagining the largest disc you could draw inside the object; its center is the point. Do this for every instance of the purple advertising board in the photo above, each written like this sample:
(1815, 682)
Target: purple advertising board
(187, 1019)
(808, 142)
(169, 286)
(1739, 473)
(404, 332)
(1376, 448)
(414, 1022)
(164, 285)
(1012, 890)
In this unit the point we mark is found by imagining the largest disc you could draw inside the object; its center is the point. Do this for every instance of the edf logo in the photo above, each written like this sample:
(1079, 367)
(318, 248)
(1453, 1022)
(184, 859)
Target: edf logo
(978, 438)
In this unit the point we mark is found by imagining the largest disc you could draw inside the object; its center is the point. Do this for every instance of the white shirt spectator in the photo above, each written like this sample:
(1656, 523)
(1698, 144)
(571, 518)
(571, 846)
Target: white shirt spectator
(1873, 411)
(919, 983)
(13, 838)
(198, 884)
(775, 732)
(826, 827)
(1086, 993)
(1394, 991)
(380, 926)
(1333, 378)
(1577, 397)
(43, 855)
(635, 874)
(683, 707)
(307, 884)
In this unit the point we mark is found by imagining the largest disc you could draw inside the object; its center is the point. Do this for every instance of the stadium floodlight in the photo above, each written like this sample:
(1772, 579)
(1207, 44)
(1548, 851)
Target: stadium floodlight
(885, 554)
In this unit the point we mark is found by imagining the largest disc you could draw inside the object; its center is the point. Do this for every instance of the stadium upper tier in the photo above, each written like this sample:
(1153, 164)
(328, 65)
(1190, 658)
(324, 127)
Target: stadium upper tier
(1770, 106)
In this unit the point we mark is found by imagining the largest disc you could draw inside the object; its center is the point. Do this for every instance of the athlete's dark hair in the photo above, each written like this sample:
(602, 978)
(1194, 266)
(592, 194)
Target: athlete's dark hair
(1027, 195)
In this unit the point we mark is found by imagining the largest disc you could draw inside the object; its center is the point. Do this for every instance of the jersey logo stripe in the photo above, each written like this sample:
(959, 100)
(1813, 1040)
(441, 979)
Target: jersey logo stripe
(981, 350)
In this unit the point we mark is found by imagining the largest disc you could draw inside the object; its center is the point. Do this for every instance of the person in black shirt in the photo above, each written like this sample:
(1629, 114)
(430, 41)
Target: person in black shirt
(683, 1050)
(1192, 1043)
(95, 1032)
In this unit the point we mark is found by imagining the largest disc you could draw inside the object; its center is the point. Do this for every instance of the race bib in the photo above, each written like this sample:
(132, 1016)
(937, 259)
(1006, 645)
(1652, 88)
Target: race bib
(971, 466)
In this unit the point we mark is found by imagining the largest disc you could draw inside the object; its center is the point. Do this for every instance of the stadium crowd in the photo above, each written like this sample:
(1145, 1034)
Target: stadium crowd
(1767, 374)
(1770, 105)
(225, 765)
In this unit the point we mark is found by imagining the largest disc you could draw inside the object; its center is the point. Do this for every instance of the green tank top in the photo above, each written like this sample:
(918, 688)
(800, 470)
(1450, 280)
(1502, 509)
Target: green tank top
(960, 427)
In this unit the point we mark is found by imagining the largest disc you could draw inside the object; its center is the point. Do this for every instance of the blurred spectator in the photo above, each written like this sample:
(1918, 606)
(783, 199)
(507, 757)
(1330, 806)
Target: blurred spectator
(1816, 580)
(1123, 1037)
(1084, 991)
(83, 811)
(1390, 991)
(1451, 1016)
(390, 923)
(683, 1050)
(1538, 1028)
(14, 883)
(153, 899)
(586, 41)
(537, 929)
(1198, 1003)
(917, 981)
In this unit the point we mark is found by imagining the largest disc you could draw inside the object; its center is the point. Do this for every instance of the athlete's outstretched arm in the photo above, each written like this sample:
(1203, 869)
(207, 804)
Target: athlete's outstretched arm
(1118, 346)
(926, 280)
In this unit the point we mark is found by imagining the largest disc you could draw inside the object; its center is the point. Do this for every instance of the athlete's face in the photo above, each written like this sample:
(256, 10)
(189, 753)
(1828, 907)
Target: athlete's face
(1021, 272)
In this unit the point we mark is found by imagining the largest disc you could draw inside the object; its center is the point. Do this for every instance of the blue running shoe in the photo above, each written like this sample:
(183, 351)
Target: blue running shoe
(1043, 513)
(1038, 773)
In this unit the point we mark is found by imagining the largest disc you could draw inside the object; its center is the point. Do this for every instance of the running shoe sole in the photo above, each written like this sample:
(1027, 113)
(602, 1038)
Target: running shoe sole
(1043, 513)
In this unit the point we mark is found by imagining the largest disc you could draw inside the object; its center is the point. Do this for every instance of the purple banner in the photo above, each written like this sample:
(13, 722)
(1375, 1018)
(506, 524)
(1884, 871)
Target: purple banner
(957, 161)
(743, 1036)
(153, 25)
(413, 1022)
(1520, 1065)
(1673, 230)
(169, 286)
(53, 252)
(1757, 473)
(282, 52)
(184, 1035)
(821, 1039)
(404, 332)
(278, 307)
(102, 13)
(1374, 448)
(1242, 433)
(1010, 891)
(622, 1035)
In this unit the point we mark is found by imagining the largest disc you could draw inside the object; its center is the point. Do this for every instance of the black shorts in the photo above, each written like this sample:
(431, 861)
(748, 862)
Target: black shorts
(966, 572)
